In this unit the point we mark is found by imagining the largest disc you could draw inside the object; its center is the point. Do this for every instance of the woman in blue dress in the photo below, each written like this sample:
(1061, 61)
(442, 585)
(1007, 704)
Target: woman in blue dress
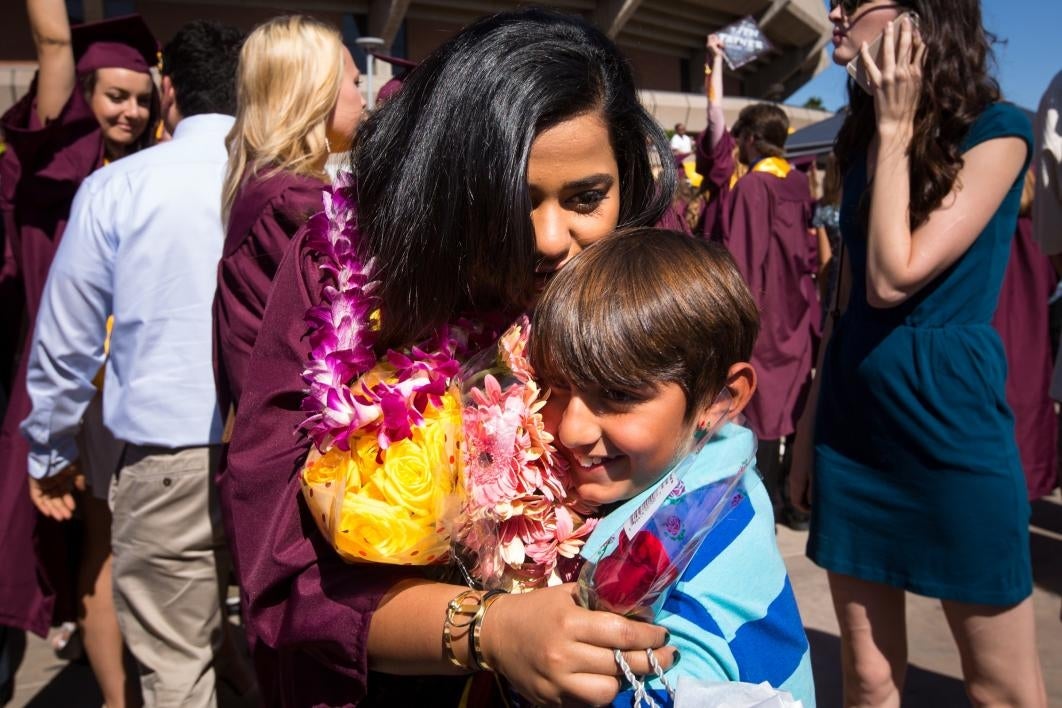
(916, 481)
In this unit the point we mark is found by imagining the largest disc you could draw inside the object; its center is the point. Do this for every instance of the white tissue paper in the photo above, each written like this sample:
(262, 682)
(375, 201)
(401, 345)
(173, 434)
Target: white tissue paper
(691, 693)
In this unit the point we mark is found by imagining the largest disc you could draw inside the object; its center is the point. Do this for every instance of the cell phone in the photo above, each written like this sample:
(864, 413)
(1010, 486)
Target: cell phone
(855, 67)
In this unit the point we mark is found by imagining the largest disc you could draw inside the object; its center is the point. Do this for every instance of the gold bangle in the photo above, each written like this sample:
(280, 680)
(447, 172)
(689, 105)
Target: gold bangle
(475, 650)
(460, 605)
(707, 69)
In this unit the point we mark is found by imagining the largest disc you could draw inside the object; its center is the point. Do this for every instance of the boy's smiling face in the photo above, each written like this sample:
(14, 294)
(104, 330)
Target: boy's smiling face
(618, 444)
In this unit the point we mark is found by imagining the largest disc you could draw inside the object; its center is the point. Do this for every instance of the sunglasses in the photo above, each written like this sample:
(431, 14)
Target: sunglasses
(850, 6)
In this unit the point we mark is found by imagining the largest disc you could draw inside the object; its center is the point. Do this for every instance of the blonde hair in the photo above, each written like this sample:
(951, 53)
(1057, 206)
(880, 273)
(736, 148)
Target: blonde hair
(1028, 189)
(287, 86)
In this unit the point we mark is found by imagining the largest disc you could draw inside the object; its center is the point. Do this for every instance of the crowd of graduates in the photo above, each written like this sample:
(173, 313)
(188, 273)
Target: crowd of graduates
(156, 275)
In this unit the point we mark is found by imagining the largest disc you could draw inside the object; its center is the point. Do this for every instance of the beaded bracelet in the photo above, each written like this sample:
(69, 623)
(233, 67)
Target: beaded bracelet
(475, 651)
(468, 603)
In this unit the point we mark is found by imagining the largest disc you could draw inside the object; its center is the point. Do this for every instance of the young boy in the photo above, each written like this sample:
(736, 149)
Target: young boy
(644, 341)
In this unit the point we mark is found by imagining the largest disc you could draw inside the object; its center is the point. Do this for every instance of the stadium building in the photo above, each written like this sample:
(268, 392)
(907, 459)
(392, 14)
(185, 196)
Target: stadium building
(664, 39)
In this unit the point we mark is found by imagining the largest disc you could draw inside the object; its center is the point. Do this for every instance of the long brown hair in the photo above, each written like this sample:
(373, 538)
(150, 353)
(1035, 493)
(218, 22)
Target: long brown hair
(956, 88)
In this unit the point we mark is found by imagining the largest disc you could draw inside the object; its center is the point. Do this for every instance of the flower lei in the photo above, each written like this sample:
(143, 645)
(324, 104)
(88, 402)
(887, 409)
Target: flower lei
(342, 336)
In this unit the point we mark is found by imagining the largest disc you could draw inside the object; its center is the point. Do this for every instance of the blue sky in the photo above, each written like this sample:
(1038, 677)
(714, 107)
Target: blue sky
(1030, 56)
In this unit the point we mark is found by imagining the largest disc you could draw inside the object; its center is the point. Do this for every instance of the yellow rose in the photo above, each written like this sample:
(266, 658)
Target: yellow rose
(396, 506)
(407, 480)
(376, 531)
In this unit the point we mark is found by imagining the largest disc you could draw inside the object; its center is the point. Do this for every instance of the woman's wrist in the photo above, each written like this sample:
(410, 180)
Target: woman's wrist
(492, 627)
(895, 133)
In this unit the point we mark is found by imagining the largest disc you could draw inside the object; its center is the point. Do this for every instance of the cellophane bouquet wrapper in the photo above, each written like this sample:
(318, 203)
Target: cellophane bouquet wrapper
(634, 569)
(392, 505)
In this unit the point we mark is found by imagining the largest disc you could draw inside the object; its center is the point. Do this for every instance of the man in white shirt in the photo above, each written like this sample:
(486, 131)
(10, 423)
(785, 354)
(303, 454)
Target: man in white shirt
(143, 243)
(681, 144)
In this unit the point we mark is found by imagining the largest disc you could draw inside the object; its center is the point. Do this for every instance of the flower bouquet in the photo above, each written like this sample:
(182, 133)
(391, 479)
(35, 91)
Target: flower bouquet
(520, 527)
(413, 451)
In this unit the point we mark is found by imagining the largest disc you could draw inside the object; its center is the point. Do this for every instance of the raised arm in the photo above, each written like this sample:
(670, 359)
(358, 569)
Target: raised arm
(713, 89)
(55, 54)
(900, 261)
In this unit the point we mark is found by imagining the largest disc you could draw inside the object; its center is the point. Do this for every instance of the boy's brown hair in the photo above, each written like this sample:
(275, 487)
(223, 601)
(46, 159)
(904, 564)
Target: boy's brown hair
(641, 308)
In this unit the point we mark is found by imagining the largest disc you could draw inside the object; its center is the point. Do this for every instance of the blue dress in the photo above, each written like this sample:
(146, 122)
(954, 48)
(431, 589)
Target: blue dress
(918, 481)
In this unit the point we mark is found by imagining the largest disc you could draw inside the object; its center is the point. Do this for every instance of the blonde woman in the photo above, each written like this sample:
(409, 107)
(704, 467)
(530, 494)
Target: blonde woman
(297, 101)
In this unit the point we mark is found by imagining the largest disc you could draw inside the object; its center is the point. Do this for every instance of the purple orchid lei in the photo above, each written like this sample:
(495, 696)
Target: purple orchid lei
(343, 333)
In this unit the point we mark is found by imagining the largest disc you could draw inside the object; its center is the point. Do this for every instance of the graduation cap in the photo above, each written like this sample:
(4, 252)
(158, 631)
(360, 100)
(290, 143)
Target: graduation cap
(394, 84)
(121, 42)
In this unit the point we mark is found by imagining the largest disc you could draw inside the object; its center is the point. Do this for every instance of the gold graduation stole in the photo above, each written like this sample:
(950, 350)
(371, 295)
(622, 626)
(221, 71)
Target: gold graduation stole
(773, 165)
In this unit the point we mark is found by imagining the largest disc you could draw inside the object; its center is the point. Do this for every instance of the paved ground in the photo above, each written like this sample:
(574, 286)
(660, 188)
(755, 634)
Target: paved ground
(934, 678)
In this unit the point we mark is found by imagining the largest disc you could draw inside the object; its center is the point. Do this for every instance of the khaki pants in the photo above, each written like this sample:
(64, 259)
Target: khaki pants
(170, 571)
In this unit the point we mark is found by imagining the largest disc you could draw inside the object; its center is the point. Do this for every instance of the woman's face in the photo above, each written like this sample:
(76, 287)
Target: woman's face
(121, 102)
(350, 107)
(855, 23)
(573, 179)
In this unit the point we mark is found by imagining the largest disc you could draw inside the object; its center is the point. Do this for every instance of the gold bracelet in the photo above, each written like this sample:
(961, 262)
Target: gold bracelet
(460, 605)
(707, 69)
(475, 650)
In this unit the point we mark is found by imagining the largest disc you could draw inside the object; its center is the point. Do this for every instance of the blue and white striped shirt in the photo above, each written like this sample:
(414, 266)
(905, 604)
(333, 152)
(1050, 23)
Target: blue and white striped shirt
(732, 615)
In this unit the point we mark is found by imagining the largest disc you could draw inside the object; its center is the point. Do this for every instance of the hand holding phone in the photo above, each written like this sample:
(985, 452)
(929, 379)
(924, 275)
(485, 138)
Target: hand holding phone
(858, 71)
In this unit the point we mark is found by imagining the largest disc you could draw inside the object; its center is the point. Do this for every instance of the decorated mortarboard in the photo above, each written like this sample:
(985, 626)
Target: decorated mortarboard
(743, 42)
(120, 42)
(394, 84)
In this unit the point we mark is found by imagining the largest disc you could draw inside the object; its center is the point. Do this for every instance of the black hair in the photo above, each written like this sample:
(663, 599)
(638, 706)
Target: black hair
(441, 168)
(201, 61)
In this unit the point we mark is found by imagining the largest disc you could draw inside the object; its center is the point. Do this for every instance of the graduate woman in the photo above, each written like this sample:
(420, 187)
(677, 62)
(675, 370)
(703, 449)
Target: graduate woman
(297, 101)
(92, 101)
(511, 148)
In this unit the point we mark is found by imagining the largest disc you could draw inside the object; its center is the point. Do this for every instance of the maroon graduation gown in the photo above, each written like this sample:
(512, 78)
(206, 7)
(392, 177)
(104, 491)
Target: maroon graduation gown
(715, 165)
(308, 611)
(43, 168)
(1022, 322)
(265, 215)
(765, 227)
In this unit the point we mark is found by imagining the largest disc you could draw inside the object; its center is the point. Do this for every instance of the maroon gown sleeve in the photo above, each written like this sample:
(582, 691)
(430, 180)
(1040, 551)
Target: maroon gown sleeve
(308, 611)
(264, 217)
(715, 164)
(44, 166)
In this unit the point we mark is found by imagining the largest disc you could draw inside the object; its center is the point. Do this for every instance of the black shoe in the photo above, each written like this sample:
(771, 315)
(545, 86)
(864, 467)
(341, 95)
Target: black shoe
(795, 519)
